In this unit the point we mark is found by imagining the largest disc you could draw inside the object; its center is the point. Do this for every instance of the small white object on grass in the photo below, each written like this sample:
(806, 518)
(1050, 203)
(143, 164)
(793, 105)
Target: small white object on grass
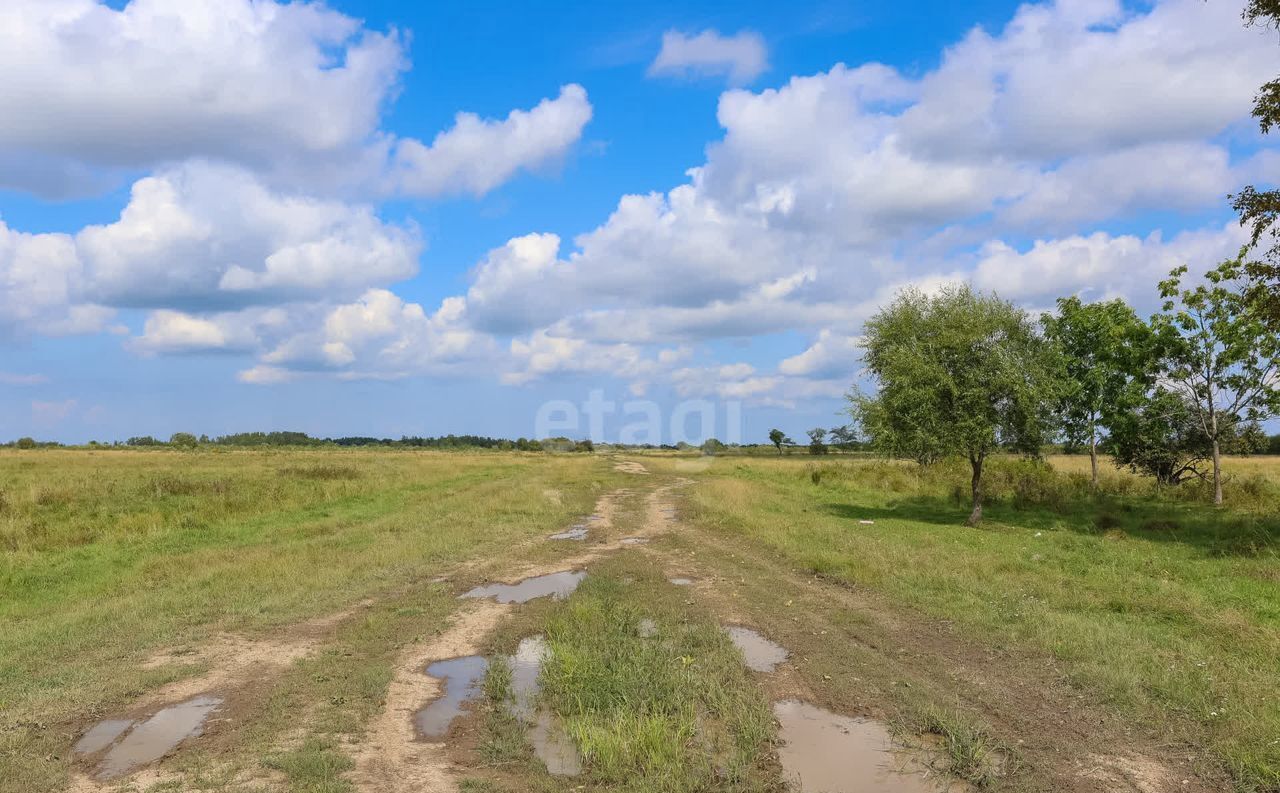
(867, 522)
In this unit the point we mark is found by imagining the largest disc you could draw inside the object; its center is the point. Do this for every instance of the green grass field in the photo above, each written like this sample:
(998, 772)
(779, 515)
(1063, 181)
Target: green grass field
(1164, 608)
(1131, 623)
(112, 556)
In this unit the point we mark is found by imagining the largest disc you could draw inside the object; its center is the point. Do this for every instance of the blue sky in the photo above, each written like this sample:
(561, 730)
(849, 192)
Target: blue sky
(222, 216)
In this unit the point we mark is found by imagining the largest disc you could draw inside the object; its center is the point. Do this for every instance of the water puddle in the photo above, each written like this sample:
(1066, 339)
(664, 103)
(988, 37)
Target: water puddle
(635, 540)
(760, 654)
(554, 747)
(101, 735)
(461, 678)
(575, 533)
(147, 741)
(824, 752)
(526, 664)
(681, 581)
(551, 743)
(557, 585)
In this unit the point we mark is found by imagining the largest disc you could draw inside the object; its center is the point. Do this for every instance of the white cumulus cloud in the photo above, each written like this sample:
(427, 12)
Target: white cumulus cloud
(741, 57)
(475, 155)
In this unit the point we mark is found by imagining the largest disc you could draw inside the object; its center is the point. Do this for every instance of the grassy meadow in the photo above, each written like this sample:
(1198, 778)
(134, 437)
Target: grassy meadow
(1134, 619)
(111, 556)
(1165, 608)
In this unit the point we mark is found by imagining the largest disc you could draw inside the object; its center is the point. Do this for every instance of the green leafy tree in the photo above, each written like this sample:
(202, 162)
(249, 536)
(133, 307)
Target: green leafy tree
(1161, 437)
(183, 440)
(1250, 439)
(26, 443)
(1260, 209)
(713, 446)
(843, 437)
(1219, 355)
(959, 373)
(777, 438)
(1107, 357)
(817, 440)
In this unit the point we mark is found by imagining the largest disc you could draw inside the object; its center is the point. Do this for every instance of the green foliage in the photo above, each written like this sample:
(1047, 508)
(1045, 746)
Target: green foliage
(26, 443)
(1219, 356)
(713, 446)
(960, 373)
(817, 440)
(1260, 209)
(1162, 438)
(183, 440)
(843, 437)
(777, 437)
(1107, 356)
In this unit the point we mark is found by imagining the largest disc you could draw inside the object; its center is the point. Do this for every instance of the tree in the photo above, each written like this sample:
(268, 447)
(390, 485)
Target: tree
(843, 437)
(1260, 209)
(1106, 354)
(817, 440)
(777, 437)
(959, 373)
(1160, 437)
(26, 443)
(712, 446)
(183, 440)
(1220, 356)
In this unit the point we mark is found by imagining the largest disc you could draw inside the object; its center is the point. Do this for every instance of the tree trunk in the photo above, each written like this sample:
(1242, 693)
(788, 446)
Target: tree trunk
(975, 517)
(1093, 456)
(1217, 474)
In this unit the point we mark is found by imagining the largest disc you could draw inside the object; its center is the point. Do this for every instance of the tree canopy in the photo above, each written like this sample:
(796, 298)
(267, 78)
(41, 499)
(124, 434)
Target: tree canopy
(959, 373)
(1107, 355)
(1260, 209)
(1219, 356)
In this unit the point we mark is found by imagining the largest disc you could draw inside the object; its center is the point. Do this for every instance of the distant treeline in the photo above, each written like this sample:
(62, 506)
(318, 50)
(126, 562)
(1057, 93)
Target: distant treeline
(186, 440)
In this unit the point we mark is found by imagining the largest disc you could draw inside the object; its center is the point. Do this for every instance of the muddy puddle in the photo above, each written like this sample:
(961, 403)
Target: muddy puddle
(550, 742)
(554, 747)
(461, 679)
(760, 654)
(132, 744)
(575, 533)
(557, 585)
(100, 736)
(824, 752)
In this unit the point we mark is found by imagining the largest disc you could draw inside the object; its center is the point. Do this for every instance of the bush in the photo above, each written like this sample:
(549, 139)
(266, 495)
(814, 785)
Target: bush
(26, 443)
(183, 440)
